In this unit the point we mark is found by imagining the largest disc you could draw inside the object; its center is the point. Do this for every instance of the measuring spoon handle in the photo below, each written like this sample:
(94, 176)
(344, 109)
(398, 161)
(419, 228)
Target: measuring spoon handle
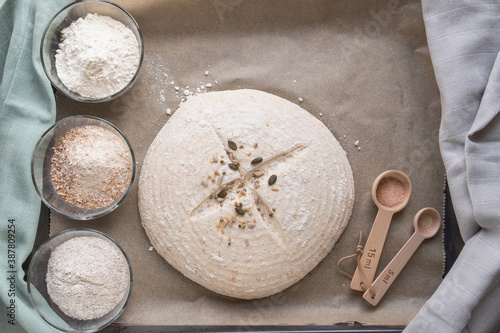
(392, 270)
(373, 249)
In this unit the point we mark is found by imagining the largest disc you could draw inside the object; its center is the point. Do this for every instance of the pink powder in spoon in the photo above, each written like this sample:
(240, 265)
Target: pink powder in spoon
(390, 192)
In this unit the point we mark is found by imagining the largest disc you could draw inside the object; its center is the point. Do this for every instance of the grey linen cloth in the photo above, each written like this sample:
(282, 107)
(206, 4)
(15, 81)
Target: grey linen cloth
(464, 43)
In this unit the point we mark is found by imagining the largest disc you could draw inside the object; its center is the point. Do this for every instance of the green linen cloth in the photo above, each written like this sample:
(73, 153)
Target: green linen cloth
(27, 109)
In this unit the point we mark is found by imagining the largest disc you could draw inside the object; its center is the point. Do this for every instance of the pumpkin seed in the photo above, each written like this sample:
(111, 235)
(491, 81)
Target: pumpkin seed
(232, 145)
(239, 210)
(256, 160)
(232, 166)
(272, 180)
(222, 194)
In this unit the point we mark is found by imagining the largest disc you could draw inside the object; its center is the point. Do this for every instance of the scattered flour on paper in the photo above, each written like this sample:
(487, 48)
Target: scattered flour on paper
(98, 56)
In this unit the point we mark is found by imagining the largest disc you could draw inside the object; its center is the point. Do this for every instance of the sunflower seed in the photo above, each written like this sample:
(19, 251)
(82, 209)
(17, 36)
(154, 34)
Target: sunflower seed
(220, 180)
(232, 158)
(258, 173)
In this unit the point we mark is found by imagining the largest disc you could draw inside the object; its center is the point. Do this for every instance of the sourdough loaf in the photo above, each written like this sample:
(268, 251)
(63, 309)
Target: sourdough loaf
(207, 205)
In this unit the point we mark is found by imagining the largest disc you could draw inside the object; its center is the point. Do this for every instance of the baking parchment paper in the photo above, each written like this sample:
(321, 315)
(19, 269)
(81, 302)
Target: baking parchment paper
(361, 67)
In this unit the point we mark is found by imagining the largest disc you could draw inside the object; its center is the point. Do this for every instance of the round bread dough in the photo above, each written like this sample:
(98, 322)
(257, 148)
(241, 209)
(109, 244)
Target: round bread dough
(287, 227)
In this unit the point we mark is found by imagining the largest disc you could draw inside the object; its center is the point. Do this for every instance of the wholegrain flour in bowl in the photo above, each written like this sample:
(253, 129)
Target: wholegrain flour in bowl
(91, 167)
(244, 192)
(87, 277)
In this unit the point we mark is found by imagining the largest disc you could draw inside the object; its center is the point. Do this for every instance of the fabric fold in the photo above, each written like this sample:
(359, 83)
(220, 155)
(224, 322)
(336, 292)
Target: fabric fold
(468, 297)
(464, 43)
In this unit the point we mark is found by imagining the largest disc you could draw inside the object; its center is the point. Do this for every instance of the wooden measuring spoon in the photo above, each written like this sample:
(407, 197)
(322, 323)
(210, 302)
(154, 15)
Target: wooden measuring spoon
(427, 223)
(375, 242)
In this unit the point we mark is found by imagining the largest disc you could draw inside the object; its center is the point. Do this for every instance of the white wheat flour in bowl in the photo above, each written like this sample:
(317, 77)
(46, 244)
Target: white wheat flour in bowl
(244, 192)
(98, 56)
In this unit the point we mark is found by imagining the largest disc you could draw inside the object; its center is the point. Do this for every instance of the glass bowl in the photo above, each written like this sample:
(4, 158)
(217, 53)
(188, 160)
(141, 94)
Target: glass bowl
(72, 12)
(37, 286)
(41, 162)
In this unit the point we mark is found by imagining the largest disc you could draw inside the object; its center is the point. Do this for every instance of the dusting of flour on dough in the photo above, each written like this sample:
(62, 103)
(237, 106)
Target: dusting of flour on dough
(97, 57)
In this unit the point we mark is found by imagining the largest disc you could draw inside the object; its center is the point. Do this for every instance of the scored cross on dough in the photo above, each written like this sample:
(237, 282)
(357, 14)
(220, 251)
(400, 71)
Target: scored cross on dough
(310, 203)
(267, 218)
